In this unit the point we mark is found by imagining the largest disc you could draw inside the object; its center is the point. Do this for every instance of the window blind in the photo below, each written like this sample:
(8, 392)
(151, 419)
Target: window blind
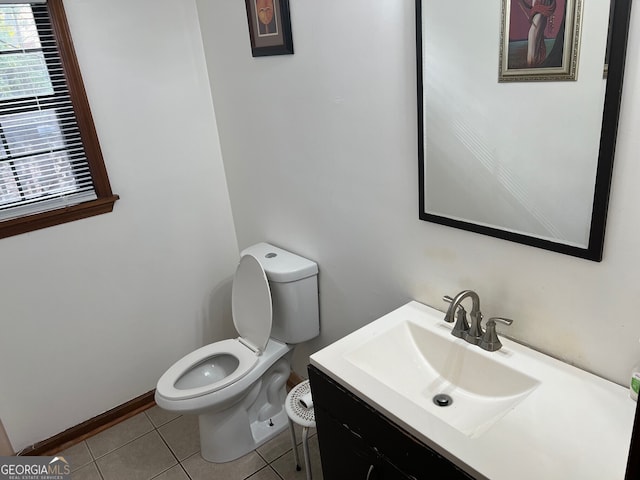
(43, 164)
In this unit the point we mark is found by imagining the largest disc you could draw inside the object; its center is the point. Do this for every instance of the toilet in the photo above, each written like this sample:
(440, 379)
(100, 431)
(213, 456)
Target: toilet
(237, 386)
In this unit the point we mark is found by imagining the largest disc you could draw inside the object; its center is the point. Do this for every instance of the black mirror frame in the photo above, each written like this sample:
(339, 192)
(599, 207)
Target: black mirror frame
(604, 172)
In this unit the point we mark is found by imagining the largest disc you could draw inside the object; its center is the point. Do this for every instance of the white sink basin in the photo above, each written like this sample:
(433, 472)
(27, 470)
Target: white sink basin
(516, 413)
(420, 363)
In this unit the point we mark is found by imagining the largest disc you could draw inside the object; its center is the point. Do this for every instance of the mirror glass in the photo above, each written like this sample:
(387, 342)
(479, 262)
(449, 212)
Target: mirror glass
(518, 105)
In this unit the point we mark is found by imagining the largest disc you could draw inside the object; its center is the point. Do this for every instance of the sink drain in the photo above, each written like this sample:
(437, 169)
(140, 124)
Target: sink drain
(442, 400)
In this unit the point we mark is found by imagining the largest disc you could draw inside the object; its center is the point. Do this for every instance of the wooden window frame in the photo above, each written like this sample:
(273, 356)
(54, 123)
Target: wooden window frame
(105, 197)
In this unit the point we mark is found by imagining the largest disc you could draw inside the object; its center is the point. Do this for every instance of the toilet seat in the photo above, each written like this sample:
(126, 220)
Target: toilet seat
(252, 319)
(246, 358)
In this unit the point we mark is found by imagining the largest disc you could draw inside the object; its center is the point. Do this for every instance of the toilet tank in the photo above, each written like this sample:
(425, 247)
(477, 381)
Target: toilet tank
(293, 281)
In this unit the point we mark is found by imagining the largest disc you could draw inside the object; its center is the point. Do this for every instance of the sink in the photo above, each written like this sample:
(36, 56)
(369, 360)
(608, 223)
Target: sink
(516, 412)
(421, 362)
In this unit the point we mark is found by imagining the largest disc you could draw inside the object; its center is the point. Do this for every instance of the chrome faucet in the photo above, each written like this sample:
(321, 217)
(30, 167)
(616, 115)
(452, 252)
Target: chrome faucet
(473, 333)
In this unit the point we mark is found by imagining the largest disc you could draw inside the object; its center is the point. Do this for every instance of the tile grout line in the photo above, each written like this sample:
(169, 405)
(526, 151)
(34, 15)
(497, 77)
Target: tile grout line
(123, 445)
(93, 459)
(168, 446)
(86, 444)
(163, 424)
(154, 429)
(157, 428)
(267, 466)
(185, 471)
(172, 453)
(126, 443)
(276, 472)
(98, 469)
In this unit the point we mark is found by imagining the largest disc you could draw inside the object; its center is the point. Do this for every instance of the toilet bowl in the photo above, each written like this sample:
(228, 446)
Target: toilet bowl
(237, 386)
(202, 380)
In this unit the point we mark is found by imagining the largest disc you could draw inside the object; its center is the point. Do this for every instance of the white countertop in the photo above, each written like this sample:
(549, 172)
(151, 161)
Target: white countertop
(573, 426)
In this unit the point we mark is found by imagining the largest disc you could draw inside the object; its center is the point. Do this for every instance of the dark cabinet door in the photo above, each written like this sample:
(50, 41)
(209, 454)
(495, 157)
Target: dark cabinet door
(346, 455)
(343, 454)
(359, 443)
(388, 471)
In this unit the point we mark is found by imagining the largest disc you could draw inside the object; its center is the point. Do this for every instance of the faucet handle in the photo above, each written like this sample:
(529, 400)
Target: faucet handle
(448, 317)
(447, 299)
(461, 326)
(504, 321)
(490, 340)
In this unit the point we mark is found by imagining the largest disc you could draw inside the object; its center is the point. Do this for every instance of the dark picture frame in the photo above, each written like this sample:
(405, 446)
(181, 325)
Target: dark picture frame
(269, 27)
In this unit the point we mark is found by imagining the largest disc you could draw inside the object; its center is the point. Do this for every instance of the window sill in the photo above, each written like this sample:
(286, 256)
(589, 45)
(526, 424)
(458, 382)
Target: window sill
(17, 226)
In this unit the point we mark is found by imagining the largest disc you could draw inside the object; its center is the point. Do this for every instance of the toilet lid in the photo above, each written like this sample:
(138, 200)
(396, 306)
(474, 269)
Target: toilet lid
(251, 303)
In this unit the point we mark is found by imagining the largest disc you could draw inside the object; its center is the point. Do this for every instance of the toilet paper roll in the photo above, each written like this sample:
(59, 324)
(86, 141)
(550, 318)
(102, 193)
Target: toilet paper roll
(306, 401)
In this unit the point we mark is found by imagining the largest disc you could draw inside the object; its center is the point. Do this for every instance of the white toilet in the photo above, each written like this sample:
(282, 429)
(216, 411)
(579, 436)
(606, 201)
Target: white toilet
(237, 386)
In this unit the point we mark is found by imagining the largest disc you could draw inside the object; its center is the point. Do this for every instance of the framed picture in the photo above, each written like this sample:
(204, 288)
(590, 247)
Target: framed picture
(539, 40)
(269, 27)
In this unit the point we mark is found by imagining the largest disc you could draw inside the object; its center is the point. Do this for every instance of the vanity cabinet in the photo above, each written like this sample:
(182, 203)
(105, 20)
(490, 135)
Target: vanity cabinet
(358, 442)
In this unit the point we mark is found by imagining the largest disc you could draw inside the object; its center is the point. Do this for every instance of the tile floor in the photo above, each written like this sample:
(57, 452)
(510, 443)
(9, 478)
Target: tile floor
(156, 444)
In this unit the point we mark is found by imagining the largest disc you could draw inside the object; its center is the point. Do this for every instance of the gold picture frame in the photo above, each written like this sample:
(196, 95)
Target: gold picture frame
(539, 40)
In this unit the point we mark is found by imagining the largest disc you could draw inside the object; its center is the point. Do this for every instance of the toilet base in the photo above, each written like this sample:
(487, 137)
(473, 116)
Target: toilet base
(214, 448)
(229, 434)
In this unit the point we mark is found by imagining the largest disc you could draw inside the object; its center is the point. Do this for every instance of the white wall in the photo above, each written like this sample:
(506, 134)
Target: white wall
(320, 150)
(94, 311)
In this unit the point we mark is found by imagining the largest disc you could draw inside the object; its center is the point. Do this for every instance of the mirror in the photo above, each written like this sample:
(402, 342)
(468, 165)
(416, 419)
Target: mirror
(518, 104)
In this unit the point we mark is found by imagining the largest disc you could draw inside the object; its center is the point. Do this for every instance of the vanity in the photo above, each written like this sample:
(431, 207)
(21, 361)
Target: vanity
(402, 398)
(358, 442)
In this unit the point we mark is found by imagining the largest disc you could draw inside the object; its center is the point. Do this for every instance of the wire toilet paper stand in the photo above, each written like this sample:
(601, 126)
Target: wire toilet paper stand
(299, 407)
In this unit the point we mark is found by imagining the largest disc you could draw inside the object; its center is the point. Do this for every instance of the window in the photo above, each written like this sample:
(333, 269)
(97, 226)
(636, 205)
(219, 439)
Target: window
(51, 166)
